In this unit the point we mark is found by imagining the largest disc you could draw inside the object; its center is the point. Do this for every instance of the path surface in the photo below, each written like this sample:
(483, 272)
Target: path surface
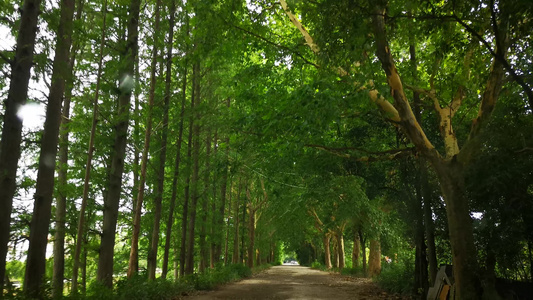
(296, 282)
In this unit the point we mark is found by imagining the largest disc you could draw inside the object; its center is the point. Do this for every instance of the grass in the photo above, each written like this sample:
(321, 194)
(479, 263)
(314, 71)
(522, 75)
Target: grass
(139, 287)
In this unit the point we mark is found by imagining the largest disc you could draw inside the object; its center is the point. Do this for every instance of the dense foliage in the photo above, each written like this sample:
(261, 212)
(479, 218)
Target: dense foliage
(191, 138)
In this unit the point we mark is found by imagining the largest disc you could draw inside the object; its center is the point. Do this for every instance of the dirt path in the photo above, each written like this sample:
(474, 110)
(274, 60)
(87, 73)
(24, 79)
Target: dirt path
(296, 282)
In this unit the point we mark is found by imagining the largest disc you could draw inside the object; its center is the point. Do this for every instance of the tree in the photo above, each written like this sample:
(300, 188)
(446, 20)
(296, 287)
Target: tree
(134, 253)
(113, 191)
(42, 209)
(10, 145)
(450, 166)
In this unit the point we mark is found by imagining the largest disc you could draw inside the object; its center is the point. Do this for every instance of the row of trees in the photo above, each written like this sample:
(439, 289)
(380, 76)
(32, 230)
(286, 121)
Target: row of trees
(261, 130)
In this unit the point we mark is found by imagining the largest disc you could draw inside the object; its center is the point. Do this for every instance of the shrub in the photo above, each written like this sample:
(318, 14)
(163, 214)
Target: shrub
(397, 277)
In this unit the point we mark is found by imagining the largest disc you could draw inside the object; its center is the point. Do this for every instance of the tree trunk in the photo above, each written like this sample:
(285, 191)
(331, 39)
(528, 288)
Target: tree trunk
(374, 258)
(421, 265)
(464, 255)
(335, 251)
(356, 250)
(61, 201)
(162, 158)
(59, 238)
(226, 243)
(152, 252)
(236, 258)
(185, 213)
(189, 266)
(363, 250)
(205, 199)
(84, 270)
(243, 252)
(428, 223)
(340, 249)
(36, 260)
(114, 189)
(223, 187)
(10, 145)
(251, 237)
(327, 253)
(215, 236)
(81, 219)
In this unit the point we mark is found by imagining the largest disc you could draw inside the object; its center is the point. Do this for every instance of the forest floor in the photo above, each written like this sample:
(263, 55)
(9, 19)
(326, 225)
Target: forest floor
(296, 282)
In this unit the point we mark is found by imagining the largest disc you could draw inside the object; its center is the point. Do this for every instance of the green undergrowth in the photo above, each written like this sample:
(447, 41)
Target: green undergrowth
(139, 287)
(397, 277)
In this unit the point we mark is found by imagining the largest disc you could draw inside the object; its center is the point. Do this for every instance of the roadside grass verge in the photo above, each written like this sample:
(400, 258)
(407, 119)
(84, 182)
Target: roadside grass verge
(139, 287)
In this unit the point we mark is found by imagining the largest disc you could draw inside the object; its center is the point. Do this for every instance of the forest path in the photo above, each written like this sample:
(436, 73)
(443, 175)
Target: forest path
(296, 282)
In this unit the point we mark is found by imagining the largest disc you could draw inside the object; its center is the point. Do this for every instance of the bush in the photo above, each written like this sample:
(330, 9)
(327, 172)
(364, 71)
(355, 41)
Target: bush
(317, 265)
(352, 271)
(397, 277)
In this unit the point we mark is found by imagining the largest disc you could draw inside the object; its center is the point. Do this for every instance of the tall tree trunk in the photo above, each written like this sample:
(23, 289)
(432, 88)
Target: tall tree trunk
(185, 213)
(84, 269)
(189, 265)
(356, 250)
(374, 258)
(81, 219)
(226, 244)
(152, 252)
(213, 256)
(223, 187)
(134, 252)
(428, 223)
(236, 259)
(205, 199)
(251, 237)
(243, 252)
(36, 260)
(335, 251)
(363, 250)
(162, 157)
(10, 145)
(340, 249)
(327, 253)
(464, 253)
(114, 189)
(61, 200)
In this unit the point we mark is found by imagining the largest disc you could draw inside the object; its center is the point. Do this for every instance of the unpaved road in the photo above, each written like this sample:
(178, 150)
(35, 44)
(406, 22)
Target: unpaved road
(296, 282)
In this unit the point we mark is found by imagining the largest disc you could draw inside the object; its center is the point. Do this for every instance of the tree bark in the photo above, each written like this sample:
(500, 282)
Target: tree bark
(429, 226)
(59, 238)
(356, 250)
(215, 237)
(340, 249)
(114, 188)
(374, 259)
(251, 237)
(189, 266)
(10, 145)
(236, 258)
(152, 252)
(464, 253)
(81, 219)
(36, 260)
(162, 157)
(363, 250)
(226, 243)
(223, 187)
(185, 213)
(327, 253)
(133, 266)
(205, 199)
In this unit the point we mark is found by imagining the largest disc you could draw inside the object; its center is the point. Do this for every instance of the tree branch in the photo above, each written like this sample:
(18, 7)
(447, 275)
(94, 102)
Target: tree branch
(275, 44)
(378, 156)
(501, 58)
